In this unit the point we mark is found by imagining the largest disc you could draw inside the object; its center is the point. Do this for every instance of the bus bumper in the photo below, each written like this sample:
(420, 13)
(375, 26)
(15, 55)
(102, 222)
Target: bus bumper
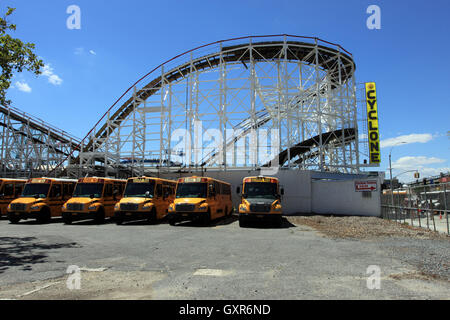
(23, 215)
(132, 215)
(269, 217)
(74, 216)
(186, 216)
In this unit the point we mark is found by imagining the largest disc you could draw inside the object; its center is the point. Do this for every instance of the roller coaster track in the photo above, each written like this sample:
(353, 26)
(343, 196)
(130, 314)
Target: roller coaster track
(35, 123)
(238, 53)
(28, 143)
(266, 51)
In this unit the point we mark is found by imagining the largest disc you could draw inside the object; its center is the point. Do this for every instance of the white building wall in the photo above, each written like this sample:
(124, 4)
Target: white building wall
(340, 198)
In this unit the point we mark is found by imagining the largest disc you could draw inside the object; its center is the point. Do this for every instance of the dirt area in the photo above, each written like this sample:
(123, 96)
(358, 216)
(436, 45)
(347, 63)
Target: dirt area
(94, 285)
(363, 227)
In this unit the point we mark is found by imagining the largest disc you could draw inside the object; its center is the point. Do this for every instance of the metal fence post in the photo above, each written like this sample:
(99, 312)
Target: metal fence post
(445, 206)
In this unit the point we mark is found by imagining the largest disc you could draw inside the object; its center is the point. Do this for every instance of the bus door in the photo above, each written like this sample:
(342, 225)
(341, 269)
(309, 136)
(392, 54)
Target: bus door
(108, 199)
(213, 198)
(55, 199)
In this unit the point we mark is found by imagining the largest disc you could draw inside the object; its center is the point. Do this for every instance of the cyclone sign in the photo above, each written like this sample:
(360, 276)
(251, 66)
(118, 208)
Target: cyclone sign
(372, 123)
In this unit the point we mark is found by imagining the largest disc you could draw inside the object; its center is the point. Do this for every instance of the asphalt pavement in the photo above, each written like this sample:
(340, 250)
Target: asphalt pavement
(220, 261)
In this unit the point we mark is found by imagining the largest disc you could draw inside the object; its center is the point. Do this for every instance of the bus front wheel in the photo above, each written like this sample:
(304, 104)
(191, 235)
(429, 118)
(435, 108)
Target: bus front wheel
(67, 218)
(99, 216)
(152, 218)
(13, 218)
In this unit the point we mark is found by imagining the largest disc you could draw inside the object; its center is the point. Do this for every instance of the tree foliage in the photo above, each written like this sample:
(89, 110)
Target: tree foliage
(15, 56)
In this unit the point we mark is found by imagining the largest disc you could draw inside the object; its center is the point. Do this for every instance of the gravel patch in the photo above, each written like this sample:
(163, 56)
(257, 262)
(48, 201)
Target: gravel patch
(363, 227)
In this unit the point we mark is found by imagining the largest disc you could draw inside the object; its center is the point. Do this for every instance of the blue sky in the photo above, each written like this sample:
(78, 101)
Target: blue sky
(120, 41)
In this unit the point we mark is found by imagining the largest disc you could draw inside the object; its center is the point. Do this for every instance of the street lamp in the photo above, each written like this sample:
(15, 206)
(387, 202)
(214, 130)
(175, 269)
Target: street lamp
(390, 163)
(390, 174)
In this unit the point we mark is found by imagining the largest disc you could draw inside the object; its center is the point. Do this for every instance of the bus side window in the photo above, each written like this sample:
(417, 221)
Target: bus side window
(217, 187)
(8, 190)
(66, 190)
(159, 191)
(55, 191)
(18, 190)
(71, 187)
(108, 190)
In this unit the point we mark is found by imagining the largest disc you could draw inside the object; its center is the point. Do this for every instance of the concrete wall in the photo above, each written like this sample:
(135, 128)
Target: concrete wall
(302, 194)
(340, 197)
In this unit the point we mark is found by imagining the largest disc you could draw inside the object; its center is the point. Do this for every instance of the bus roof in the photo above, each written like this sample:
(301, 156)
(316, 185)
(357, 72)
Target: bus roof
(46, 180)
(151, 178)
(260, 179)
(200, 179)
(13, 179)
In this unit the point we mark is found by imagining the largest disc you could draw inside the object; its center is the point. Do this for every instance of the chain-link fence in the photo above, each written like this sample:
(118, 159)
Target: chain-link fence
(420, 206)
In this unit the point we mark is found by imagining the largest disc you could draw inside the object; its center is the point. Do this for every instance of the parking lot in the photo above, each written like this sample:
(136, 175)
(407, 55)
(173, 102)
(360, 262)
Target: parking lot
(307, 258)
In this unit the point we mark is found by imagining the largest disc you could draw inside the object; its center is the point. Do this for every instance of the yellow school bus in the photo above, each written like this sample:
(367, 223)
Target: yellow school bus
(10, 189)
(93, 198)
(145, 198)
(200, 198)
(41, 199)
(260, 200)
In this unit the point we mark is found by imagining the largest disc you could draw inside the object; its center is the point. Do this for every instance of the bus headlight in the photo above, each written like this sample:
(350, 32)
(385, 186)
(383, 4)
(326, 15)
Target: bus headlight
(34, 208)
(117, 207)
(242, 208)
(171, 208)
(277, 208)
(94, 207)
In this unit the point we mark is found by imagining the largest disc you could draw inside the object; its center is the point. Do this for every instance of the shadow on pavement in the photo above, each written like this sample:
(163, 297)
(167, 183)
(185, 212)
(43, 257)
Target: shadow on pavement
(285, 224)
(25, 252)
(217, 222)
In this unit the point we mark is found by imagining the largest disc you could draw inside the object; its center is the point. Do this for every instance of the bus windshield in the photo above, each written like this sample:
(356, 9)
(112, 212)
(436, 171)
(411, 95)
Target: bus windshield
(36, 190)
(191, 190)
(84, 190)
(140, 189)
(260, 190)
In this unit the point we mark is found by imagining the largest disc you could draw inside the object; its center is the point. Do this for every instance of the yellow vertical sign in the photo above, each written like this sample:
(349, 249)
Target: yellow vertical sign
(372, 123)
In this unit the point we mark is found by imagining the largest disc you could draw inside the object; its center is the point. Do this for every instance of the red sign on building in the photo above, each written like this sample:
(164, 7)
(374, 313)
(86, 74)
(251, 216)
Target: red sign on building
(370, 185)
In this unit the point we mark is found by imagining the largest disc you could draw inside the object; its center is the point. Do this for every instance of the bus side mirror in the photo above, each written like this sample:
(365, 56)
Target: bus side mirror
(238, 190)
(147, 194)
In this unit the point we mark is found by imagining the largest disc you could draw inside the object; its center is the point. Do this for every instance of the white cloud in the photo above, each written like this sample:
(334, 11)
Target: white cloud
(23, 86)
(410, 138)
(93, 52)
(54, 79)
(415, 161)
(419, 163)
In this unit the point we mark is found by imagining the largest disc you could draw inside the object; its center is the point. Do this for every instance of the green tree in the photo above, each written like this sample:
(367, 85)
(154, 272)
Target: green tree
(15, 56)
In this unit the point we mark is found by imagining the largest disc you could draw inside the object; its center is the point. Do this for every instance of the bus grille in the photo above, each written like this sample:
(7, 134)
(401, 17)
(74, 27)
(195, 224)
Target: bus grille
(18, 206)
(129, 206)
(75, 206)
(260, 207)
(185, 207)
